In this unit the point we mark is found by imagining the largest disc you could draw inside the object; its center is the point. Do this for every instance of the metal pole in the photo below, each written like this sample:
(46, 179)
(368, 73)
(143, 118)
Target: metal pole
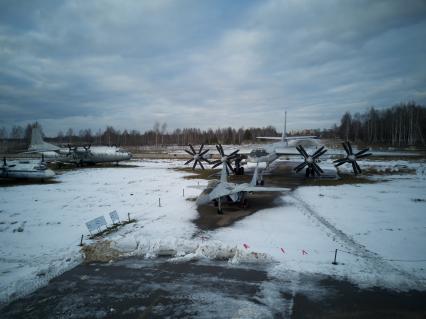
(159, 202)
(183, 192)
(335, 257)
(81, 240)
(128, 215)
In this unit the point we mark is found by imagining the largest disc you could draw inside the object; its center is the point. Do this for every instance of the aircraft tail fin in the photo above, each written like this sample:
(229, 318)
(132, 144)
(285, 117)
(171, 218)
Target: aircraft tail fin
(38, 144)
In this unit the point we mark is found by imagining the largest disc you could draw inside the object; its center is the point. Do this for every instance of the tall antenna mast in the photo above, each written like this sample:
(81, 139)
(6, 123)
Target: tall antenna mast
(284, 135)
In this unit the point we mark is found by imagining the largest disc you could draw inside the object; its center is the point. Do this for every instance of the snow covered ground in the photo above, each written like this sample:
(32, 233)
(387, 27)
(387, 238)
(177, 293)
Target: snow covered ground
(374, 226)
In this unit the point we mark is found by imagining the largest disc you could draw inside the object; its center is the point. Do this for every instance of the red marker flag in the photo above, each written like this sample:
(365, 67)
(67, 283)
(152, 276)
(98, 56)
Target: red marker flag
(304, 252)
(282, 249)
(246, 246)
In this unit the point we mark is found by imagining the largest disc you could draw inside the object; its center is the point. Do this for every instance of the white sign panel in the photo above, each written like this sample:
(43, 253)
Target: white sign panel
(95, 224)
(114, 217)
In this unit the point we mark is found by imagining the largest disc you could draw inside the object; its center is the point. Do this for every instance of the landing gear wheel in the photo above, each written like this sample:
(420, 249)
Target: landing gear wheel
(244, 203)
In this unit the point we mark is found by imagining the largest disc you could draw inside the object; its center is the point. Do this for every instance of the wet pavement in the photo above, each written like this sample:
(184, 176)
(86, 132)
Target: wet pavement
(140, 288)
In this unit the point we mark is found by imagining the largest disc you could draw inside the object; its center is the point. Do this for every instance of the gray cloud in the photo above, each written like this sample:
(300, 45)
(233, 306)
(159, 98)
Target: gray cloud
(193, 63)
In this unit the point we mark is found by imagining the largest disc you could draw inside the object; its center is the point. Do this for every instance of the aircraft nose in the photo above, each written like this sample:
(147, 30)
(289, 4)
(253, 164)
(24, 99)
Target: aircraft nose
(49, 173)
(202, 199)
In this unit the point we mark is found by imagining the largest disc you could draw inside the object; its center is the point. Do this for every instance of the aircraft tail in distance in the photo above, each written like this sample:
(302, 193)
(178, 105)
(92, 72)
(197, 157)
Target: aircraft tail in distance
(38, 144)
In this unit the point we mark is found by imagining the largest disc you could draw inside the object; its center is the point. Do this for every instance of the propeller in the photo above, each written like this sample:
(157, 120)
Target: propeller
(310, 161)
(87, 147)
(225, 159)
(351, 157)
(197, 157)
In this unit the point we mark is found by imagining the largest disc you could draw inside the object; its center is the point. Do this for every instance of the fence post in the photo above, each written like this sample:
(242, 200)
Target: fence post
(335, 257)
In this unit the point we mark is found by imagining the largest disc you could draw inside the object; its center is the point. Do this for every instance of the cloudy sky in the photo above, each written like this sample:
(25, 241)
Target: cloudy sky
(206, 64)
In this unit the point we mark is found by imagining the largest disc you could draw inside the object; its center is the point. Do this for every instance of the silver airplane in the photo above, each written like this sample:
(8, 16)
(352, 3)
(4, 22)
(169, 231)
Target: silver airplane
(269, 153)
(25, 169)
(219, 190)
(74, 154)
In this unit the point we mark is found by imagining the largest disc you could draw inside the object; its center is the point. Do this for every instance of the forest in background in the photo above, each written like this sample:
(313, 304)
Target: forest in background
(400, 125)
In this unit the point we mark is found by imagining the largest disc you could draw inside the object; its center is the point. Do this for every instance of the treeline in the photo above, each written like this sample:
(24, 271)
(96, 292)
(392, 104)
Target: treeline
(400, 125)
(159, 136)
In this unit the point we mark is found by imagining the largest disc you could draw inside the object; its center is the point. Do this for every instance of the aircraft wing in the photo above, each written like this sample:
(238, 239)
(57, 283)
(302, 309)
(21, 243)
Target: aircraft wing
(292, 138)
(265, 189)
(202, 187)
(273, 138)
(288, 138)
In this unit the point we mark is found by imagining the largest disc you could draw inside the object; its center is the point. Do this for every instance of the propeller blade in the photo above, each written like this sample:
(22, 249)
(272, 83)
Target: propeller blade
(201, 148)
(346, 148)
(359, 168)
(318, 151)
(233, 153)
(299, 167)
(195, 164)
(298, 149)
(341, 163)
(219, 150)
(364, 155)
(318, 168)
(354, 168)
(350, 147)
(340, 160)
(217, 164)
(201, 164)
(192, 149)
(189, 152)
(189, 161)
(362, 152)
(201, 154)
(319, 154)
(314, 169)
(302, 150)
(230, 166)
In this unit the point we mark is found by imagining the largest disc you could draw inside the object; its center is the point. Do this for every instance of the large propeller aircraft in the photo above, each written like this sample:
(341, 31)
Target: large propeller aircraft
(220, 190)
(310, 162)
(28, 169)
(77, 155)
